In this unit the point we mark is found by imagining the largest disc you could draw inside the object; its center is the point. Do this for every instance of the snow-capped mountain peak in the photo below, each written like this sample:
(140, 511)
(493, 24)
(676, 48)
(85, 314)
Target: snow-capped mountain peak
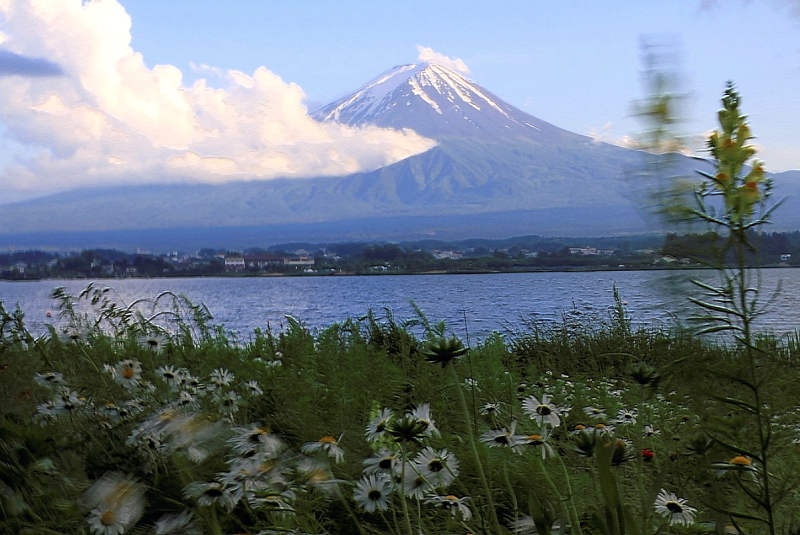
(434, 101)
(367, 99)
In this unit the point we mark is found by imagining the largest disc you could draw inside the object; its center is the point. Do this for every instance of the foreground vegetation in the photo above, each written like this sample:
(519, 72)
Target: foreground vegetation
(143, 418)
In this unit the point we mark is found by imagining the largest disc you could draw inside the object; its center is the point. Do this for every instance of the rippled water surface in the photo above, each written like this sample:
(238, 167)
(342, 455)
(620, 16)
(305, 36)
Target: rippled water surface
(477, 304)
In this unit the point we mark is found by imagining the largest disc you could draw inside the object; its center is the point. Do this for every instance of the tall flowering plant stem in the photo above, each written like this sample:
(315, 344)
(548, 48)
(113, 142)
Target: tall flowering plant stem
(732, 200)
(744, 192)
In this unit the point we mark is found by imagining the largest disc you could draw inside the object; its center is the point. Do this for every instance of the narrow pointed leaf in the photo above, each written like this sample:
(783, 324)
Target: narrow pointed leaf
(749, 407)
(717, 308)
(737, 449)
(710, 330)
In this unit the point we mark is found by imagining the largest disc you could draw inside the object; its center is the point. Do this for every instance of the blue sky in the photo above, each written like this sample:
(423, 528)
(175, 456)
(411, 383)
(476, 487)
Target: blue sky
(575, 64)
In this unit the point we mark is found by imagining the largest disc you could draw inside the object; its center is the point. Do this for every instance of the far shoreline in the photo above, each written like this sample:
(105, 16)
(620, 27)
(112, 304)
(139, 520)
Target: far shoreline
(587, 269)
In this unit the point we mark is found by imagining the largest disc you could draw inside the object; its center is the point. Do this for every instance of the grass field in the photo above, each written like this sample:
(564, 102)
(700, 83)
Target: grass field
(146, 418)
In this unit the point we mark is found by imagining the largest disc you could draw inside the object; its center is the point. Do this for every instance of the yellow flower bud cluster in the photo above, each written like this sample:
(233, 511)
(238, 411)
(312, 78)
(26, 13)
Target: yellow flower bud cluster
(731, 150)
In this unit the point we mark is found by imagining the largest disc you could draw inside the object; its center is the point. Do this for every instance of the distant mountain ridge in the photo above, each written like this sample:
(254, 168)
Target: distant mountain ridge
(495, 171)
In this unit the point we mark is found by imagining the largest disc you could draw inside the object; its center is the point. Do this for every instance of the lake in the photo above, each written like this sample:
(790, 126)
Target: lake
(473, 305)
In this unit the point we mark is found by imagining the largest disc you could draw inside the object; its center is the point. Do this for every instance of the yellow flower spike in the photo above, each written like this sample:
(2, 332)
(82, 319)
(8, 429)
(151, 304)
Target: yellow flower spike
(743, 134)
(722, 181)
(756, 173)
(749, 194)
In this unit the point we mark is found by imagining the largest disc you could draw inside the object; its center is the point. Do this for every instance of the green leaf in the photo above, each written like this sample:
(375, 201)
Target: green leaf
(718, 328)
(749, 407)
(737, 449)
(716, 308)
(631, 525)
(712, 289)
(610, 492)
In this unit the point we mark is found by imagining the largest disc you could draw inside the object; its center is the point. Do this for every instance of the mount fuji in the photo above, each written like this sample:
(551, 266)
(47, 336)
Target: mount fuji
(495, 171)
(492, 158)
(439, 103)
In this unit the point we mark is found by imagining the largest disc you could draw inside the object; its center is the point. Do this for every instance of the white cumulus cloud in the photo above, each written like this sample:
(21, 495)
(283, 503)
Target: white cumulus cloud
(429, 55)
(103, 117)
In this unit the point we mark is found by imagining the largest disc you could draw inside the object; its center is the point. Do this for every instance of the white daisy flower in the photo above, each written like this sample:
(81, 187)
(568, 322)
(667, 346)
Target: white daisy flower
(372, 492)
(458, 506)
(625, 417)
(595, 412)
(376, 428)
(602, 429)
(153, 342)
(190, 382)
(544, 412)
(46, 412)
(146, 385)
(242, 480)
(116, 502)
(253, 388)
(106, 522)
(384, 461)
(650, 431)
(180, 524)
(131, 407)
(415, 485)
(210, 493)
(318, 474)
(50, 379)
(502, 438)
(229, 401)
(186, 400)
(220, 377)
(674, 509)
(524, 525)
(109, 411)
(272, 501)
(540, 441)
(108, 368)
(328, 444)
(438, 467)
(490, 409)
(253, 440)
(67, 401)
(127, 373)
(170, 375)
(422, 415)
(73, 334)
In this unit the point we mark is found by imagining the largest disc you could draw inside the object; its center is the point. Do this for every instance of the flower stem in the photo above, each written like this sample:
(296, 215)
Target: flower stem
(474, 447)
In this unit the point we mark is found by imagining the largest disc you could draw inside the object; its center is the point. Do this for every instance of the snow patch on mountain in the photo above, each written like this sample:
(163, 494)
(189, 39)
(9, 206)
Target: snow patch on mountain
(415, 87)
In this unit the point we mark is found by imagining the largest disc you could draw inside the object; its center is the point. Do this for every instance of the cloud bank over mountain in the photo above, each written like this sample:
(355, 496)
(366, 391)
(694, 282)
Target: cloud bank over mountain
(89, 111)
